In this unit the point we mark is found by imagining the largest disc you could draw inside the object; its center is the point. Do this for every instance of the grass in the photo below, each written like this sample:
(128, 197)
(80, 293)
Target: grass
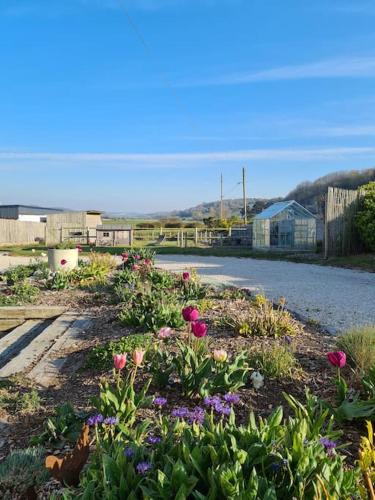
(359, 345)
(365, 262)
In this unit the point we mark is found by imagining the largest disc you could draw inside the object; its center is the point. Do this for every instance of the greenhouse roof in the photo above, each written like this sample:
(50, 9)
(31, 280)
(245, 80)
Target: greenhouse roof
(280, 206)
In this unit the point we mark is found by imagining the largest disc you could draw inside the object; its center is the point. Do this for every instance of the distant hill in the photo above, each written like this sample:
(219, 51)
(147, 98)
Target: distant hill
(311, 194)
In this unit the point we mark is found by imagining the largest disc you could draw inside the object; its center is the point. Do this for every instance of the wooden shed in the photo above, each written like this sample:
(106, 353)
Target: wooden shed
(112, 235)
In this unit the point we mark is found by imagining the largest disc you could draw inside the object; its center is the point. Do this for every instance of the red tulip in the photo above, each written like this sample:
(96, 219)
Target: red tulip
(125, 257)
(190, 313)
(63, 262)
(199, 329)
(119, 360)
(186, 276)
(337, 359)
(79, 248)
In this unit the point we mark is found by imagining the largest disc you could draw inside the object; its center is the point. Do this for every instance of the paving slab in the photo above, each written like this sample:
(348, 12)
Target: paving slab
(46, 372)
(38, 346)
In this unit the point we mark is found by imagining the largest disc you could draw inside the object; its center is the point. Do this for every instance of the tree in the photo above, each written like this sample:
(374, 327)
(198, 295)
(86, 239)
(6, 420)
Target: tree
(365, 219)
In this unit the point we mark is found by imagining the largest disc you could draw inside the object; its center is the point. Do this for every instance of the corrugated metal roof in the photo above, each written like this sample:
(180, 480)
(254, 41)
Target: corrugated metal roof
(113, 227)
(280, 206)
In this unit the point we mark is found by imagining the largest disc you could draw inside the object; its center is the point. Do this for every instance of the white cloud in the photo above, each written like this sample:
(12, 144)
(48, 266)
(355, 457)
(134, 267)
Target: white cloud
(182, 160)
(344, 67)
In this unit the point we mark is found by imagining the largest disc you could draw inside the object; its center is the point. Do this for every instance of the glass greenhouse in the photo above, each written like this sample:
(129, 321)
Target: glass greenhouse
(285, 225)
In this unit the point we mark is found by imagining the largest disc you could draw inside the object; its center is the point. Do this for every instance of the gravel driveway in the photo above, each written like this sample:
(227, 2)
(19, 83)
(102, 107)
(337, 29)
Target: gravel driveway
(336, 298)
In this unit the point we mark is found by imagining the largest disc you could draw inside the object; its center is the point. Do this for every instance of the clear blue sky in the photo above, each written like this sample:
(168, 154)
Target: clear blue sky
(138, 105)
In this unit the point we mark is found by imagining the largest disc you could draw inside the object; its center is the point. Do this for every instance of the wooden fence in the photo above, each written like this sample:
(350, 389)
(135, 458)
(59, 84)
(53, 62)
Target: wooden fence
(15, 232)
(341, 237)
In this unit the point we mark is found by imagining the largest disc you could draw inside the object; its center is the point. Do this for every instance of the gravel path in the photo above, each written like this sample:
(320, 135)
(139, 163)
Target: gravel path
(336, 298)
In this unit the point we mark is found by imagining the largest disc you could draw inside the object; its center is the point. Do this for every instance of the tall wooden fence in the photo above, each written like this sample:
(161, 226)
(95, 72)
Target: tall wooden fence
(341, 237)
(15, 232)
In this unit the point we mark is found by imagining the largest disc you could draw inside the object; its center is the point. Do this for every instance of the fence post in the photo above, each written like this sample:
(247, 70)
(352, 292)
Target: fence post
(196, 236)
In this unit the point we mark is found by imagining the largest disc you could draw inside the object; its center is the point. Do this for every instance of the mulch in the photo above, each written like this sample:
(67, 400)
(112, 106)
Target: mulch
(78, 387)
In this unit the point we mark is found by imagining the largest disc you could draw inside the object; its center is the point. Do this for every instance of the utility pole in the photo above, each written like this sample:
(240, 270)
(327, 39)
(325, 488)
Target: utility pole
(244, 195)
(221, 198)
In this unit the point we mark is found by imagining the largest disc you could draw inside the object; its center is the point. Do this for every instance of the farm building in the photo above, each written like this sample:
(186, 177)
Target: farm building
(113, 234)
(28, 213)
(285, 225)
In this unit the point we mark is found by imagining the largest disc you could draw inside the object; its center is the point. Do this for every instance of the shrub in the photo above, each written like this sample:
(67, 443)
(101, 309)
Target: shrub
(101, 356)
(20, 470)
(275, 362)
(359, 346)
(365, 219)
(263, 319)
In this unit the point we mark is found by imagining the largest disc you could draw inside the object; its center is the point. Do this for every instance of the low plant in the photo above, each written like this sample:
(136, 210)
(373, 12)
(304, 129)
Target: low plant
(261, 318)
(275, 362)
(18, 294)
(64, 426)
(195, 454)
(352, 404)
(18, 274)
(160, 280)
(359, 346)
(60, 280)
(367, 463)
(21, 470)
(101, 356)
(152, 311)
(120, 400)
(202, 374)
(136, 256)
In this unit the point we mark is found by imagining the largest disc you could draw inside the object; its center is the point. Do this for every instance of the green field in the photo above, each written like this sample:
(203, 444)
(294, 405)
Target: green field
(365, 262)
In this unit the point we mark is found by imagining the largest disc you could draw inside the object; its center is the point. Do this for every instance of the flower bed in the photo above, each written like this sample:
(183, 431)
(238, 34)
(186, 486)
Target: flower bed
(203, 393)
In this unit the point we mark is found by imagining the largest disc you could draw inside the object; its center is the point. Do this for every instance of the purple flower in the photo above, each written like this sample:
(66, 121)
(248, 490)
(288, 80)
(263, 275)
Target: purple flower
(181, 412)
(160, 401)
(129, 452)
(196, 416)
(153, 439)
(95, 419)
(232, 399)
(110, 421)
(222, 409)
(211, 401)
(328, 445)
(143, 467)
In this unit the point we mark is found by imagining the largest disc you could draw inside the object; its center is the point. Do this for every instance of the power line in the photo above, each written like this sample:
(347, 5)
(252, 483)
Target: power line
(162, 75)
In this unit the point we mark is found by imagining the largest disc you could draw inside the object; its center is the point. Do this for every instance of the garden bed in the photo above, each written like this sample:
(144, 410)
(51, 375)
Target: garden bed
(290, 356)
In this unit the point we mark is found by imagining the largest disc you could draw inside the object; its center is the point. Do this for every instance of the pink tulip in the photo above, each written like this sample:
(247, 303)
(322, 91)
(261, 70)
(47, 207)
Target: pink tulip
(165, 332)
(137, 257)
(186, 276)
(190, 313)
(63, 262)
(119, 360)
(79, 248)
(199, 329)
(337, 359)
(125, 257)
(147, 262)
(135, 267)
(137, 357)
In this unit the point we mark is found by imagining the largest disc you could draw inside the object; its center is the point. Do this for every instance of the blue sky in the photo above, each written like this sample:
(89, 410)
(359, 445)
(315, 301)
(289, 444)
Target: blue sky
(138, 105)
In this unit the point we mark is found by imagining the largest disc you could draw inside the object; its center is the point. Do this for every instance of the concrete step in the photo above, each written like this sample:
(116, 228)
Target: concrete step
(12, 343)
(34, 350)
(46, 372)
